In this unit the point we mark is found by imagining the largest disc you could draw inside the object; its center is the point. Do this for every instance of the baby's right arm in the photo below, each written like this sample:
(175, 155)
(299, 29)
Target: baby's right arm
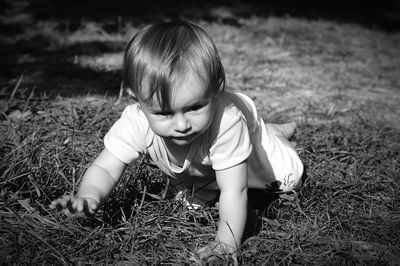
(98, 182)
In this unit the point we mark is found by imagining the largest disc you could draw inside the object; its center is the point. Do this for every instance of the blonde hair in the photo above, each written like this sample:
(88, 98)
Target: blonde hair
(158, 54)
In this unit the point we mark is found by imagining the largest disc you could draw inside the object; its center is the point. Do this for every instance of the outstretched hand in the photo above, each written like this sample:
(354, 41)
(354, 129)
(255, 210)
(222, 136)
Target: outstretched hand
(75, 206)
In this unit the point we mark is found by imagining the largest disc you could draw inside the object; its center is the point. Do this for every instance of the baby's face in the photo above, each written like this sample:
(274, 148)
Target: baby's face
(190, 114)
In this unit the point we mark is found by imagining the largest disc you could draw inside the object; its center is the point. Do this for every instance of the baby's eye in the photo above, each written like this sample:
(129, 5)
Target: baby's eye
(163, 113)
(196, 107)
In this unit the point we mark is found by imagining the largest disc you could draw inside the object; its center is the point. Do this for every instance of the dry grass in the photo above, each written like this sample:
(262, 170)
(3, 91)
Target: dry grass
(340, 81)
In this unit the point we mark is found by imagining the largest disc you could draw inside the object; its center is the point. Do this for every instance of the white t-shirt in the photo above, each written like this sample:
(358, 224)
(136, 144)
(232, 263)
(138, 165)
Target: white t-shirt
(236, 133)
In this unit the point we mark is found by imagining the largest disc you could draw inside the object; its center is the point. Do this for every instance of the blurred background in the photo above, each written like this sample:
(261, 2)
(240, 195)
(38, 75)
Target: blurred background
(74, 47)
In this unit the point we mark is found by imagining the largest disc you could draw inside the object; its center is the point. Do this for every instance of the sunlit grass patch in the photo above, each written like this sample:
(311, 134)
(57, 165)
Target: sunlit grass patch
(346, 212)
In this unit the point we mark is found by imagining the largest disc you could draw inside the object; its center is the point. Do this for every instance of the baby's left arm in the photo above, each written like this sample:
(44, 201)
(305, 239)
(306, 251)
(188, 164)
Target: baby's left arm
(232, 183)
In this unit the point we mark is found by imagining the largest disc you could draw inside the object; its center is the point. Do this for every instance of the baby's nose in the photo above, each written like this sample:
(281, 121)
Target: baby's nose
(181, 123)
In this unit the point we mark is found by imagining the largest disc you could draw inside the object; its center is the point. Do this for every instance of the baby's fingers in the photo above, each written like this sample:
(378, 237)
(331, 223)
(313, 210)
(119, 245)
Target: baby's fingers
(65, 204)
(75, 206)
(60, 203)
(54, 205)
(86, 206)
(69, 205)
(93, 206)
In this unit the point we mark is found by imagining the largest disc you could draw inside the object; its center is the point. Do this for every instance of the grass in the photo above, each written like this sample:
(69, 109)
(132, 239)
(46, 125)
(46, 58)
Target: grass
(339, 81)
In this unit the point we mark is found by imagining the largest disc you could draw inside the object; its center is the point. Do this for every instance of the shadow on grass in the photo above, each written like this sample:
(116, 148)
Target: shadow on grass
(383, 14)
(37, 50)
(55, 69)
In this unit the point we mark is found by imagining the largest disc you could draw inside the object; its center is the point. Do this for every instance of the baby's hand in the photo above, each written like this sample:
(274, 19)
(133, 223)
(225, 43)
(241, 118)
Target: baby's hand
(75, 206)
(215, 248)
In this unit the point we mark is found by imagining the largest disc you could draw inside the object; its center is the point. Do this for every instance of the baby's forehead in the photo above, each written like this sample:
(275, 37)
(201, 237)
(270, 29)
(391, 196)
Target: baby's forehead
(185, 78)
(188, 89)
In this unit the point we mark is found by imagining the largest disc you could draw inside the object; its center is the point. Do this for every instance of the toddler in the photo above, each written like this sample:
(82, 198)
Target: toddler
(211, 142)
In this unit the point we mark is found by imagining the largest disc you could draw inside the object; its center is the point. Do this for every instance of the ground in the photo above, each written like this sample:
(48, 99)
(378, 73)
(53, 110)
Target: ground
(337, 78)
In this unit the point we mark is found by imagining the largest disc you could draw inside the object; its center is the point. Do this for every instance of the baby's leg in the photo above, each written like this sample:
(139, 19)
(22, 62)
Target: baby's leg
(287, 130)
(275, 163)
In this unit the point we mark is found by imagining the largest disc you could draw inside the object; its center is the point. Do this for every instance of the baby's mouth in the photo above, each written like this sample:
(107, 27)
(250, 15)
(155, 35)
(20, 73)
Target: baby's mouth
(184, 137)
(189, 137)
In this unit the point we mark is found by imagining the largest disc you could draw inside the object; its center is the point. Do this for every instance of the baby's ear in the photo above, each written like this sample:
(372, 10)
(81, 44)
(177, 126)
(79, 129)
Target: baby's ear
(130, 93)
(122, 90)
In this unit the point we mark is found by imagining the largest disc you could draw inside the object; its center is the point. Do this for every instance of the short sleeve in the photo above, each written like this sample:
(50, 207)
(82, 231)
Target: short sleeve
(231, 145)
(126, 138)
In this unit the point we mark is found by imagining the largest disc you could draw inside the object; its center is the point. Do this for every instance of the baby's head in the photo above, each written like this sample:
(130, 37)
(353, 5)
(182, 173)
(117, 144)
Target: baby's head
(161, 55)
